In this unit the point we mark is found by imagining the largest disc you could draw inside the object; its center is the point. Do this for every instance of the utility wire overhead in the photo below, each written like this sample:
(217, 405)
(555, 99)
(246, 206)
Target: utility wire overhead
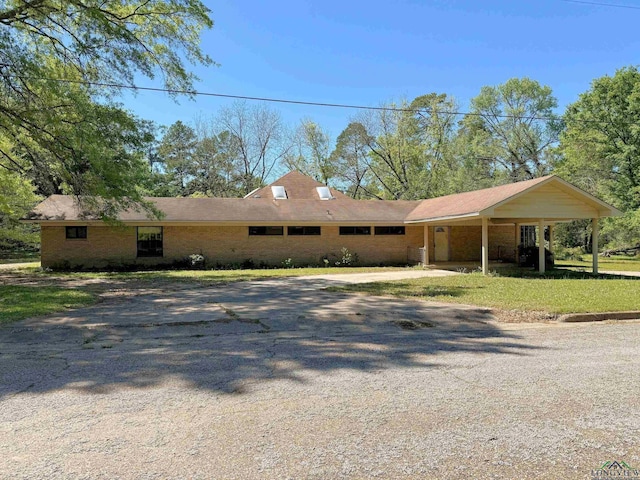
(602, 4)
(297, 102)
(275, 100)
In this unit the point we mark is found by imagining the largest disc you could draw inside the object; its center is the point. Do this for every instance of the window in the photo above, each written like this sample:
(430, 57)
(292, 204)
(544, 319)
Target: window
(74, 233)
(528, 235)
(303, 230)
(389, 230)
(266, 230)
(355, 230)
(149, 241)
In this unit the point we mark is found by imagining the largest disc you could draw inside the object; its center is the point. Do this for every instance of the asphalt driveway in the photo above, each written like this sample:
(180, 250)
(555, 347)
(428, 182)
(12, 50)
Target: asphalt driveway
(280, 379)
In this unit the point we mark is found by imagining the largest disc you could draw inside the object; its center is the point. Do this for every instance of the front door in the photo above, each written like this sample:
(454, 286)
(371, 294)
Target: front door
(441, 244)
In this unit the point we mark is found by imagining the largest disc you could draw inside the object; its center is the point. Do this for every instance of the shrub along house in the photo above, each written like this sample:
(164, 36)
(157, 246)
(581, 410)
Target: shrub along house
(300, 219)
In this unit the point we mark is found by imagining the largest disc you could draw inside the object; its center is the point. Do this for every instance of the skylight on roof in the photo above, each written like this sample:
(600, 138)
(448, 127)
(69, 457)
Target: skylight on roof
(279, 193)
(324, 193)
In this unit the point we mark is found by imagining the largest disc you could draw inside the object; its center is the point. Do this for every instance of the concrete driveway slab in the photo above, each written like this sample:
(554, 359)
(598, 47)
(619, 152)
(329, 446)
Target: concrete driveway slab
(379, 276)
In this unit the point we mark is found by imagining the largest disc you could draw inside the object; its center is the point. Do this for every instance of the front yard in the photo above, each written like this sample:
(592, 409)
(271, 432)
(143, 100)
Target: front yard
(616, 263)
(32, 292)
(557, 292)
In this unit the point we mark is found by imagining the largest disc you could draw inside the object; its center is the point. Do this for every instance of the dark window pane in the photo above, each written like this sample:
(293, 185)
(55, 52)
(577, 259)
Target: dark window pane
(150, 242)
(355, 230)
(303, 230)
(390, 230)
(76, 232)
(266, 230)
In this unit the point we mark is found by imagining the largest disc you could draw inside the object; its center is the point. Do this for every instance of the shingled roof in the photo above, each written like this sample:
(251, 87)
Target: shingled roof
(482, 202)
(468, 203)
(242, 210)
(304, 206)
(298, 187)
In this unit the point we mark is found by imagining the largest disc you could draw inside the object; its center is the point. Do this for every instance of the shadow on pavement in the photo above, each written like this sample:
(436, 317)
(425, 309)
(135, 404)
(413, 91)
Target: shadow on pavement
(229, 338)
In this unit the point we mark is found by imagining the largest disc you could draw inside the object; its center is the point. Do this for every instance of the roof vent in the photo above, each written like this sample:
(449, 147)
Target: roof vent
(324, 193)
(279, 193)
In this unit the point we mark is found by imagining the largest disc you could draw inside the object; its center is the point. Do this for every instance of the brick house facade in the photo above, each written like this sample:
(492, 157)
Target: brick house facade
(302, 220)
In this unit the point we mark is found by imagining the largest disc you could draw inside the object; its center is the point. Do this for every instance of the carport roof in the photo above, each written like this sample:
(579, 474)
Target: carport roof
(483, 202)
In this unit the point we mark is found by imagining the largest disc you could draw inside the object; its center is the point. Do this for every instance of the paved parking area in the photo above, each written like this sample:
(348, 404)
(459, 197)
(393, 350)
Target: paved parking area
(280, 379)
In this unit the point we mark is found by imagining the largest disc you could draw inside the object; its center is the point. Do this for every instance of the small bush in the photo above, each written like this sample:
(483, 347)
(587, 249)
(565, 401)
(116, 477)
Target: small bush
(248, 264)
(196, 261)
(287, 263)
(347, 259)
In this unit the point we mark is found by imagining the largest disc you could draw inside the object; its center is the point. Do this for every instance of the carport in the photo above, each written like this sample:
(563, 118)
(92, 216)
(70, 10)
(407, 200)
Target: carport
(542, 202)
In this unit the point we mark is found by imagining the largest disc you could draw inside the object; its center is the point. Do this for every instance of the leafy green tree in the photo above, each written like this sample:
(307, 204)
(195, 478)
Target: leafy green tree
(511, 131)
(409, 147)
(176, 152)
(434, 126)
(351, 160)
(310, 153)
(69, 135)
(214, 169)
(601, 143)
(601, 148)
(16, 199)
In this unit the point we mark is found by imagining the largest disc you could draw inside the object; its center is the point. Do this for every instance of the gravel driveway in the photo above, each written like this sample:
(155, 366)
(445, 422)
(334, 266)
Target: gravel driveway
(279, 379)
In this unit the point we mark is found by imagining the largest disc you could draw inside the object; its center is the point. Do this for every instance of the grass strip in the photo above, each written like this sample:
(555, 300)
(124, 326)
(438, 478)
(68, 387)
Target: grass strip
(18, 302)
(552, 294)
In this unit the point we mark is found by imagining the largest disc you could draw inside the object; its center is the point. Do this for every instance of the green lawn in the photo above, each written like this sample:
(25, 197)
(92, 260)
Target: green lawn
(558, 292)
(616, 263)
(34, 260)
(18, 302)
(206, 276)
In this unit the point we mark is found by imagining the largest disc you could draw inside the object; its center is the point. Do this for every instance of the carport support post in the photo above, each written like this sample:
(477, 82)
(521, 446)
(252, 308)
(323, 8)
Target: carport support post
(595, 231)
(485, 245)
(426, 245)
(541, 259)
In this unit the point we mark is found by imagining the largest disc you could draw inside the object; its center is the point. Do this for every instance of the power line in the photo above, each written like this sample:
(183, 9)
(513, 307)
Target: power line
(302, 102)
(276, 100)
(602, 4)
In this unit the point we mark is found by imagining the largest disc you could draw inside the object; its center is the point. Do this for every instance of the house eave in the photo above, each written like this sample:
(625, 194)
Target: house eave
(445, 218)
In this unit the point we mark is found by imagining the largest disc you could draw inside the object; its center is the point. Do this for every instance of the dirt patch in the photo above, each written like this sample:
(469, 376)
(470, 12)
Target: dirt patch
(522, 316)
(412, 324)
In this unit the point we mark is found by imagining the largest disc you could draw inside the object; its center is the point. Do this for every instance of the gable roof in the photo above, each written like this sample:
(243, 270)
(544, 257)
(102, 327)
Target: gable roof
(468, 203)
(304, 206)
(298, 187)
(482, 202)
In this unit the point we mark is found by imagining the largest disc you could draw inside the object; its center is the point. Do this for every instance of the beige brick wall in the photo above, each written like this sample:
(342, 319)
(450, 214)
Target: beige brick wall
(107, 246)
(112, 246)
(226, 245)
(466, 243)
(502, 243)
(103, 246)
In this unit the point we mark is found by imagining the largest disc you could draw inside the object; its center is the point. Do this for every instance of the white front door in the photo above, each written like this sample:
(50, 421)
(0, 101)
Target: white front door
(441, 244)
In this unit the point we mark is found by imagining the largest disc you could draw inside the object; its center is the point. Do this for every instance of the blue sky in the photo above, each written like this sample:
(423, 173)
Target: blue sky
(376, 51)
